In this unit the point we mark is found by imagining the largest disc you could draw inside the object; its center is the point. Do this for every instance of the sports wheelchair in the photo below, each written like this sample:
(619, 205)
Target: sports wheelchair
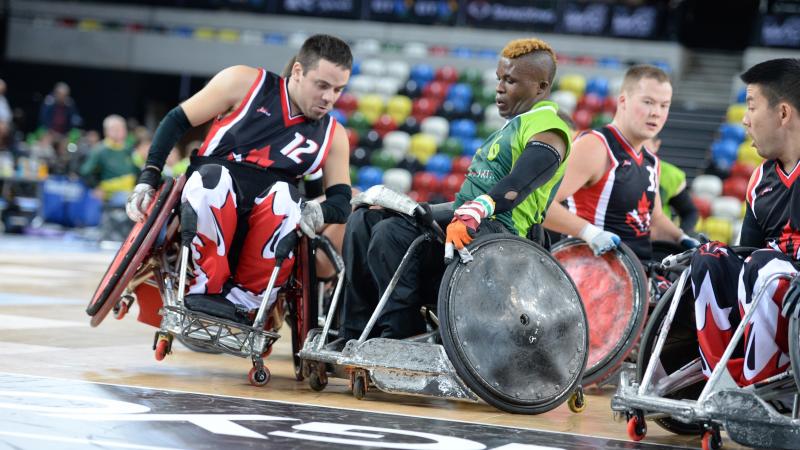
(670, 388)
(151, 269)
(509, 327)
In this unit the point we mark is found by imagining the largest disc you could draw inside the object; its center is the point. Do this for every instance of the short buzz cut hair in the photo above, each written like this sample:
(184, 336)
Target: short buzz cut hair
(779, 80)
(521, 47)
(642, 71)
(324, 46)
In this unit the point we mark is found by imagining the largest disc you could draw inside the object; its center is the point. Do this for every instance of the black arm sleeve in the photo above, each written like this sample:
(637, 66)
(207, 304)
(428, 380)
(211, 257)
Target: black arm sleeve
(752, 235)
(682, 204)
(171, 129)
(336, 207)
(535, 166)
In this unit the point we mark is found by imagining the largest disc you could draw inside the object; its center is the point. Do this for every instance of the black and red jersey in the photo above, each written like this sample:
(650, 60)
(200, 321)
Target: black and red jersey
(773, 210)
(622, 200)
(263, 133)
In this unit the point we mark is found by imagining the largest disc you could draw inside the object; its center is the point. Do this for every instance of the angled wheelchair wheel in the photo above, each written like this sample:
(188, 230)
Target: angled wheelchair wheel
(614, 291)
(794, 348)
(302, 302)
(513, 325)
(133, 251)
(680, 348)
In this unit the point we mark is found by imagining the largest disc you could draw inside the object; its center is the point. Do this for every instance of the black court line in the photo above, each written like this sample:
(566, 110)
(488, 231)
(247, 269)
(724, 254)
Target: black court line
(39, 412)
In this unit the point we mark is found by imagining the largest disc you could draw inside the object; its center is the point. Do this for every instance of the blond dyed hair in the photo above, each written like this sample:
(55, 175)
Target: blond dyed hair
(640, 72)
(521, 47)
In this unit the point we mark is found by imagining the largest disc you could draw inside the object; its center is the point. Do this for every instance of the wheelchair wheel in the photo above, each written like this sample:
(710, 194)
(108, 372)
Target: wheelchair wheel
(794, 348)
(516, 293)
(679, 349)
(133, 251)
(302, 302)
(614, 291)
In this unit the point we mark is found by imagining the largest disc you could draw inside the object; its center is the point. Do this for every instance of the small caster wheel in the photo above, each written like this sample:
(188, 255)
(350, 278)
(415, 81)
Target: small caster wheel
(577, 402)
(637, 427)
(712, 440)
(122, 307)
(359, 388)
(258, 376)
(317, 382)
(163, 348)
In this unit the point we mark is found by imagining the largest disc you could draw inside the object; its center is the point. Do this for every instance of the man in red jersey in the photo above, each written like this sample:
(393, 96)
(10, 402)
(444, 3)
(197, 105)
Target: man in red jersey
(724, 285)
(240, 197)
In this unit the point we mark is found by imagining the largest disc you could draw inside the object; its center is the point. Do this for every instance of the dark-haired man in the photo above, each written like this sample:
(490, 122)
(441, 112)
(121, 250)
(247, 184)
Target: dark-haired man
(507, 189)
(724, 285)
(240, 197)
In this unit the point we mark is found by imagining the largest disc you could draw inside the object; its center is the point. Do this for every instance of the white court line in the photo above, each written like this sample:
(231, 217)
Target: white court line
(12, 322)
(26, 299)
(14, 348)
(92, 442)
(27, 271)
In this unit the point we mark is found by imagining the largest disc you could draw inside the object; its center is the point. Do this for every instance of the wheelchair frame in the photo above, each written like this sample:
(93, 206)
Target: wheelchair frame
(744, 412)
(162, 262)
(414, 366)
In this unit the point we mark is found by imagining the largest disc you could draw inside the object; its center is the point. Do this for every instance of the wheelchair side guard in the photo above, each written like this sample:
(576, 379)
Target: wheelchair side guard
(517, 294)
(613, 289)
(133, 251)
(396, 366)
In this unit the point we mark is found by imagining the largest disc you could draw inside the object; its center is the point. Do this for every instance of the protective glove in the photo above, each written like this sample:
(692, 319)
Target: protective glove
(311, 218)
(688, 242)
(598, 239)
(792, 298)
(466, 220)
(139, 201)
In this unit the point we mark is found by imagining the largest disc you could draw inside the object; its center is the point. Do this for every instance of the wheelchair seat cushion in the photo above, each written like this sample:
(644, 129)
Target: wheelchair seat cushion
(217, 306)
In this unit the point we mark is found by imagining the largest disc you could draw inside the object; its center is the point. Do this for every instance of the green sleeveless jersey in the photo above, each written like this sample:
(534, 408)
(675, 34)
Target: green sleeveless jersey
(498, 154)
(670, 182)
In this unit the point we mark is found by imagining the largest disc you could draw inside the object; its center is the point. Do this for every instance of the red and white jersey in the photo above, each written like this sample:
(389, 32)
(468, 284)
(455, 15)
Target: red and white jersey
(262, 133)
(773, 198)
(622, 200)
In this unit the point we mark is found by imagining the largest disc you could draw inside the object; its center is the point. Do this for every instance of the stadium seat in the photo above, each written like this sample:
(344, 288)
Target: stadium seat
(436, 126)
(735, 113)
(398, 180)
(707, 186)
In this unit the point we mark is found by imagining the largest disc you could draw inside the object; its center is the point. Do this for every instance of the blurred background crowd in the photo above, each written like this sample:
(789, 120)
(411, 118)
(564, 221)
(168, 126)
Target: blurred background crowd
(84, 85)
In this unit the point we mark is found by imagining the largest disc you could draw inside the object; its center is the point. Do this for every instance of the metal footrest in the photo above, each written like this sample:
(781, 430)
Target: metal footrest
(209, 331)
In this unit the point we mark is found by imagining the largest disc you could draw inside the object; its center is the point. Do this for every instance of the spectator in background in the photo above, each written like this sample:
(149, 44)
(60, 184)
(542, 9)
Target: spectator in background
(6, 123)
(58, 112)
(109, 167)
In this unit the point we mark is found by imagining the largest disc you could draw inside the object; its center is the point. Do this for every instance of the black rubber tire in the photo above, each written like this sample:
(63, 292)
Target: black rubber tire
(359, 388)
(794, 348)
(466, 374)
(681, 340)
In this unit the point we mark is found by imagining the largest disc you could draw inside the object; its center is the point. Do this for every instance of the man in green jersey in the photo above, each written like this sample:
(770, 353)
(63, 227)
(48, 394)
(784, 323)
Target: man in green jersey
(508, 187)
(674, 195)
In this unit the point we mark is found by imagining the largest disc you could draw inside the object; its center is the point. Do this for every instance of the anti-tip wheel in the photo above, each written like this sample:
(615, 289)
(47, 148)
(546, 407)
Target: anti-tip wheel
(577, 402)
(162, 349)
(359, 388)
(315, 382)
(637, 427)
(258, 376)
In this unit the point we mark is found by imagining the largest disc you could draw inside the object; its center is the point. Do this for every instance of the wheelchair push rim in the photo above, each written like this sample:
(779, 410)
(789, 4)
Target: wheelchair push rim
(613, 289)
(534, 309)
(133, 251)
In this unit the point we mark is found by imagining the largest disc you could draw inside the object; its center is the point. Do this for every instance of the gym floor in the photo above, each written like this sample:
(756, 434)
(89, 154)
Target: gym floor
(64, 384)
